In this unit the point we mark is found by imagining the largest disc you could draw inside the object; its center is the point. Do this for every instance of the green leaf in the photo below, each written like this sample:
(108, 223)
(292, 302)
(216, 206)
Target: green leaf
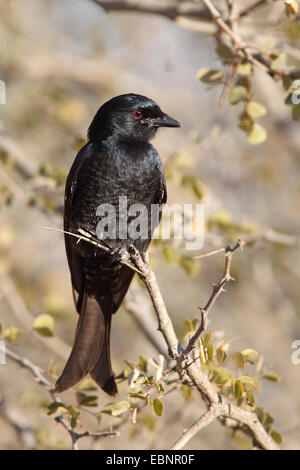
(260, 412)
(251, 356)
(237, 94)
(268, 421)
(244, 69)
(149, 422)
(221, 219)
(238, 389)
(143, 364)
(209, 76)
(255, 109)
(54, 406)
(224, 51)
(221, 355)
(183, 160)
(296, 112)
(249, 382)
(250, 398)
(116, 409)
(276, 436)
(257, 134)
(158, 407)
(86, 400)
(87, 385)
(120, 408)
(74, 416)
(246, 122)
(289, 99)
(196, 323)
(210, 352)
(207, 339)
(240, 360)
(287, 81)
(189, 325)
(272, 376)
(11, 334)
(44, 325)
(187, 392)
(221, 375)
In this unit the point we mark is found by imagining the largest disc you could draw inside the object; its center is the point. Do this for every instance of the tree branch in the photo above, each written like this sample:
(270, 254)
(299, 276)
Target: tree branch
(41, 379)
(170, 10)
(208, 417)
(209, 393)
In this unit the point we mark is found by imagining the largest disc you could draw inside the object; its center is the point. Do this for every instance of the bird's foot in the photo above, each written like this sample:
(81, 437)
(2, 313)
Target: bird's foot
(118, 254)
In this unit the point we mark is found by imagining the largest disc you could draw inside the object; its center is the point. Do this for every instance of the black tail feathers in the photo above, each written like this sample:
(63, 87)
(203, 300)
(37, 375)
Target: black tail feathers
(91, 350)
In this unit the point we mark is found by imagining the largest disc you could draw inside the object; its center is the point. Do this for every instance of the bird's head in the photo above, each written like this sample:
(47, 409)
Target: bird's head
(129, 116)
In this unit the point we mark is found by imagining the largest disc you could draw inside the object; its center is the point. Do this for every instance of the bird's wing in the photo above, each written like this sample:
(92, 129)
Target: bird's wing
(161, 195)
(74, 260)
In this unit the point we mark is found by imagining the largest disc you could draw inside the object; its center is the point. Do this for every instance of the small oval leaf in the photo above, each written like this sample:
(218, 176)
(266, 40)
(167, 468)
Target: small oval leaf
(255, 109)
(237, 94)
(44, 325)
(257, 134)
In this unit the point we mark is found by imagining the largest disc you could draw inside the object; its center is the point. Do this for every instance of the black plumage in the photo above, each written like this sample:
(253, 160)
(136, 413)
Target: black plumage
(118, 161)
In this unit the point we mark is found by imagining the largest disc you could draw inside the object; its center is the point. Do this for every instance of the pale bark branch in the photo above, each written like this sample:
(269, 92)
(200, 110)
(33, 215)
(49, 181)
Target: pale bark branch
(207, 390)
(190, 15)
(208, 417)
(191, 367)
(43, 381)
(170, 10)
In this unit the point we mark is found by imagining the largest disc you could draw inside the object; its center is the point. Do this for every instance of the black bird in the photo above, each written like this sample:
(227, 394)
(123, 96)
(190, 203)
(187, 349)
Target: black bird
(118, 161)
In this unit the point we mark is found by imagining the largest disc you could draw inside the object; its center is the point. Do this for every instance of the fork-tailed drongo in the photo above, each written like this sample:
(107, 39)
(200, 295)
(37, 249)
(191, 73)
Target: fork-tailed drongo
(118, 161)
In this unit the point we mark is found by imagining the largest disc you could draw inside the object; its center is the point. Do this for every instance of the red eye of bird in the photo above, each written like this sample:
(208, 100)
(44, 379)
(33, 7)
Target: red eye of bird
(137, 114)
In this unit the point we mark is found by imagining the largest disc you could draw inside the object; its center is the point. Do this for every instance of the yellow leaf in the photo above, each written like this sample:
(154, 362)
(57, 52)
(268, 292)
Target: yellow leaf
(158, 407)
(44, 325)
(208, 76)
(257, 134)
(255, 109)
(11, 334)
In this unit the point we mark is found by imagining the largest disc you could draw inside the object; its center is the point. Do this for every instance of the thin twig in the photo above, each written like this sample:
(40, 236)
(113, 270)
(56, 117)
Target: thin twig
(251, 8)
(42, 380)
(233, 15)
(217, 290)
(86, 236)
(210, 253)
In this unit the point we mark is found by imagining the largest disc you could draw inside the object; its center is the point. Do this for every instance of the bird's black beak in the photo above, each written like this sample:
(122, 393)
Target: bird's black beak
(165, 121)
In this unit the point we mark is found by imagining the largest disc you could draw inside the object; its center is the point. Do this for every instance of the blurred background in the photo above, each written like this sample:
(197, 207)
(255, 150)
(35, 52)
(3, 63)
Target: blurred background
(60, 60)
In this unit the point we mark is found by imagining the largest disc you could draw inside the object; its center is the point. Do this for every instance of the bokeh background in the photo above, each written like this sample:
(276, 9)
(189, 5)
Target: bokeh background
(60, 60)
